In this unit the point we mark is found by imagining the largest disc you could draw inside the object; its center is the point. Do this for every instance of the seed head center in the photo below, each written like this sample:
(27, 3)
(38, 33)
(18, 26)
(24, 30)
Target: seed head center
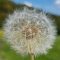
(30, 31)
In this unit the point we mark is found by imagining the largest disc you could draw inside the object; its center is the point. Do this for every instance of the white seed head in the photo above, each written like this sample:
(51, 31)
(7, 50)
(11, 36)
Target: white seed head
(29, 32)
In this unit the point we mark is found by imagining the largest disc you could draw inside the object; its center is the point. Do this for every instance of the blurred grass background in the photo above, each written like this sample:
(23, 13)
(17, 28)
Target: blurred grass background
(6, 53)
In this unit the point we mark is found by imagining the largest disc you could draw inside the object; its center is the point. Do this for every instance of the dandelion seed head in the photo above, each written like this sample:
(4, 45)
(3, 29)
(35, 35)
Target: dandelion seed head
(29, 32)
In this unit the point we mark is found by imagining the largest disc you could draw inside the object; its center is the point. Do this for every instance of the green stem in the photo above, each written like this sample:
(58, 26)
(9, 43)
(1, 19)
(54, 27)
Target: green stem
(32, 56)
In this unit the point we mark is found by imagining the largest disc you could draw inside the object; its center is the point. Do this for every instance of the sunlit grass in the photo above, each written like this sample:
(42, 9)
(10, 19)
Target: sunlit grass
(6, 53)
(1, 32)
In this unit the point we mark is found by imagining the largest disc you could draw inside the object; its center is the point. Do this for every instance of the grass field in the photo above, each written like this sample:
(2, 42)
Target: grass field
(6, 53)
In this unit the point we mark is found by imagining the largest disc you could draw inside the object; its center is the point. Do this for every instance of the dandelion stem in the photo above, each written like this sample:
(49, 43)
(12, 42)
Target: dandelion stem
(32, 56)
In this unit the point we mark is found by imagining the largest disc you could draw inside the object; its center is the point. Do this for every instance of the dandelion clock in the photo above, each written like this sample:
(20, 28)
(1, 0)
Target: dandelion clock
(29, 32)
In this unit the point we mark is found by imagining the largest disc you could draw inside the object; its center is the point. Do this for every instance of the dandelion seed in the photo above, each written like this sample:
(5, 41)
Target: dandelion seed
(27, 34)
(37, 23)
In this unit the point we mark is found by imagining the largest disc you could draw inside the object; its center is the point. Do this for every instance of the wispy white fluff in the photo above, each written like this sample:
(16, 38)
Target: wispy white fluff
(15, 24)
